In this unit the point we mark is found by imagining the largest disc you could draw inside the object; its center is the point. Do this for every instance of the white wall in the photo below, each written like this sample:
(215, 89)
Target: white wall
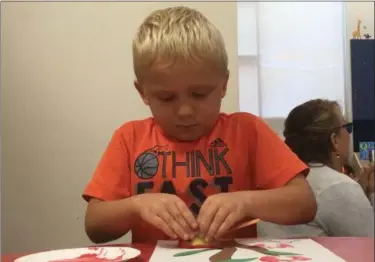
(364, 11)
(355, 11)
(66, 85)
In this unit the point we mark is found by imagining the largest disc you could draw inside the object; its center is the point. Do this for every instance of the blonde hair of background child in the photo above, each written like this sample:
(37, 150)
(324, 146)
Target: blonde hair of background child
(178, 34)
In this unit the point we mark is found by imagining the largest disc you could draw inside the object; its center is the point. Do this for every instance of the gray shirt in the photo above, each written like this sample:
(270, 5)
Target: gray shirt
(343, 209)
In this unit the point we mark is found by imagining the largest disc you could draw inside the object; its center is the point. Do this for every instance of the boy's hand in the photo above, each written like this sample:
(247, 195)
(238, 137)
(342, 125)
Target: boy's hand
(168, 213)
(219, 213)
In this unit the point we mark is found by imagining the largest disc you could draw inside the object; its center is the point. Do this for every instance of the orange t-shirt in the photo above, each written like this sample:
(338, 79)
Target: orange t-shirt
(241, 153)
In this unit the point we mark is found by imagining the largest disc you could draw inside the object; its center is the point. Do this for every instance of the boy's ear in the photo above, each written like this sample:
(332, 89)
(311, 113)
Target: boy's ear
(140, 90)
(225, 84)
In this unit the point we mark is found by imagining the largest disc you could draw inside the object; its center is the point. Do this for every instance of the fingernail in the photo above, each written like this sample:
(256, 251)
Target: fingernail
(186, 236)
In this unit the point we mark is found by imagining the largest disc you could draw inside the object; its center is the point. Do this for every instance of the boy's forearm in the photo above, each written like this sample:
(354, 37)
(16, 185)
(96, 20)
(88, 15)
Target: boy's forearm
(293, 204)
(109, 220)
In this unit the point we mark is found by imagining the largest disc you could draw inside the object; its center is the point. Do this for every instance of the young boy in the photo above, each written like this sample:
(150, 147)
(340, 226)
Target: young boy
(190, 169)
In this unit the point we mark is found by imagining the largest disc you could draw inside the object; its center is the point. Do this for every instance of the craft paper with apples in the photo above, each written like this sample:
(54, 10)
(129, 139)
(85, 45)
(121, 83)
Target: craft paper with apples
(196, 243)
(242, 250)
(201, 243)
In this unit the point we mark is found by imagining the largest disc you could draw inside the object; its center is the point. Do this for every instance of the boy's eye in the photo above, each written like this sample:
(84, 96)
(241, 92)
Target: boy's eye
(199, 95)
(166, 98)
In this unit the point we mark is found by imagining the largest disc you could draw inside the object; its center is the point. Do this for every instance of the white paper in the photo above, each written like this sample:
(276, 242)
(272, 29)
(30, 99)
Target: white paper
(302, 249)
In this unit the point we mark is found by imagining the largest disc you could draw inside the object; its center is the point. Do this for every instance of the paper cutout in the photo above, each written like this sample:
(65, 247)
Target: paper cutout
(93, 257)
(91, 254)
(242, 250)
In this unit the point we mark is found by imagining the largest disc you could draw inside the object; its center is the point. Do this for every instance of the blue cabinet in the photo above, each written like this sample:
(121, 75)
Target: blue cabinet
(363, 86)
(363, 90)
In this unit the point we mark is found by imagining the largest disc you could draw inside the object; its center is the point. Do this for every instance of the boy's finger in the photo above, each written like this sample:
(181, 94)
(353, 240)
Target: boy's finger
(178, 217)
(205, 218)
(229, 221)
(216, 223)
(171, 222)
(160, 224)
(187, 215)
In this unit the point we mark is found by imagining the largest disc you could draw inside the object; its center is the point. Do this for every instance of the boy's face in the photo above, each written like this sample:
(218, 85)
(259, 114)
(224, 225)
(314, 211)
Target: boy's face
(185, 100)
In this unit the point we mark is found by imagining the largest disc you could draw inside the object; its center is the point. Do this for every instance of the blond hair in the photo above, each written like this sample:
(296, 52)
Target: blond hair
(178, 34)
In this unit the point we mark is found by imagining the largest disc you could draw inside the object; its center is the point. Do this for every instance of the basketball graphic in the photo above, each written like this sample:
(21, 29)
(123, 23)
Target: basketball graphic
(146, 165)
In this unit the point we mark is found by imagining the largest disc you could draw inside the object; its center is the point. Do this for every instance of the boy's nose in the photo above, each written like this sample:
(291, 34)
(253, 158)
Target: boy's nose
(185, 110)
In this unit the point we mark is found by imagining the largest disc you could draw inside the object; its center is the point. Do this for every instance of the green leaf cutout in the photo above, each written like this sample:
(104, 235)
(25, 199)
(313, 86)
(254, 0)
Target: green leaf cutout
(239, 259)
(278, 253)
(191, 252)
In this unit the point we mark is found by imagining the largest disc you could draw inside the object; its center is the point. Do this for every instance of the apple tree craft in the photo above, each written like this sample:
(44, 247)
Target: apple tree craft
(226, 249)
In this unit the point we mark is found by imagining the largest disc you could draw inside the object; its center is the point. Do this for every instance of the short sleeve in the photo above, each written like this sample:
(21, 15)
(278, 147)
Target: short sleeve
(345, 211)
(274, 164)
(111, 179)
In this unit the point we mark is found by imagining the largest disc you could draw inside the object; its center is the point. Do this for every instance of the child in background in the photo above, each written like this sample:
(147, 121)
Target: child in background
(190, 169)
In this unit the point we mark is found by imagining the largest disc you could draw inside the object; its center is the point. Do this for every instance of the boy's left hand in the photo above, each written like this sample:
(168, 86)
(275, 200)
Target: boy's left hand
(221, 212)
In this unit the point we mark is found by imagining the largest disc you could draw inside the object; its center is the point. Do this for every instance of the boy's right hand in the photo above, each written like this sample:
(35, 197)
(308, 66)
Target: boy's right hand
(168, 213)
